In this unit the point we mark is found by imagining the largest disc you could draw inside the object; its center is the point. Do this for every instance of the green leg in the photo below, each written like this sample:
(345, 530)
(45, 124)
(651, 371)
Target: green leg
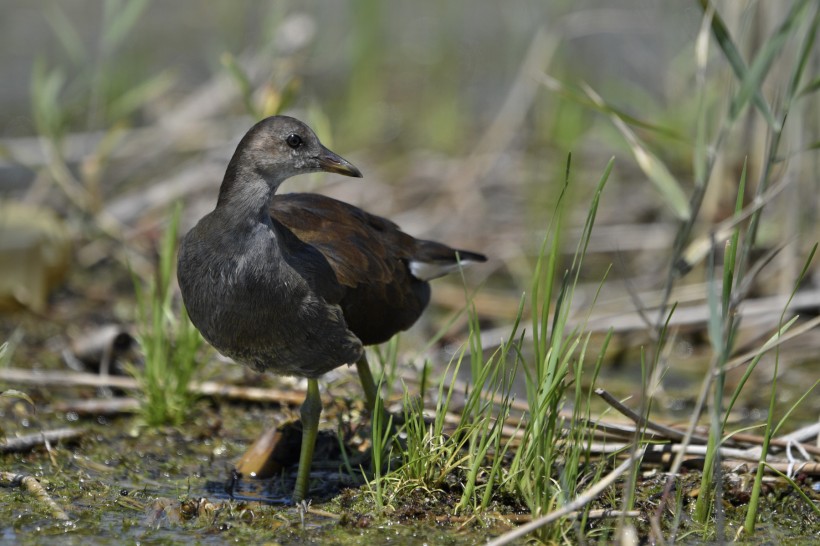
(311, 410)
(368, 385)
(370, 393)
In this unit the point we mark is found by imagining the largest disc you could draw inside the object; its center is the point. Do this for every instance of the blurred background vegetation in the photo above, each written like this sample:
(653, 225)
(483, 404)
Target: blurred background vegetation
(462, 116)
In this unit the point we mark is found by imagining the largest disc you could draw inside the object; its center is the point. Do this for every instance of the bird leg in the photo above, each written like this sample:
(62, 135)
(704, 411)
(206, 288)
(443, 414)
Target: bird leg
(374, 404)
(311, 410)
(368, 384)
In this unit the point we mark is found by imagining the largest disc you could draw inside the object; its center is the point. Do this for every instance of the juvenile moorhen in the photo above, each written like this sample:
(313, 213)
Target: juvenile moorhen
(296, 284)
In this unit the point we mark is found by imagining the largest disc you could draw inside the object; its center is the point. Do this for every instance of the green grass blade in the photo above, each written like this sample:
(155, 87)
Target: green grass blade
(46, 86)
(654, 169)
(700, 157)
(804, 57)
(119, 18)
(732, 54)
(810, 87)
(768, 345)
(794, 406)
(578, 97)
(138, 96)
(753, 78)
(799, 490)
(752, 510)
(66, 32)
(243, 82)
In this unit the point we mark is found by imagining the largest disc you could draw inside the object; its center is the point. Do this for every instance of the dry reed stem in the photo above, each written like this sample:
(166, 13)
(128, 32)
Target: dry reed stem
(27, 442)
(206, 388)
(32, 486)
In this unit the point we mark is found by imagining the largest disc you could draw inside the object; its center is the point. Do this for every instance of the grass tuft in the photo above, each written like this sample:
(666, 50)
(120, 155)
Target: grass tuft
(170, 343)
(476, 457)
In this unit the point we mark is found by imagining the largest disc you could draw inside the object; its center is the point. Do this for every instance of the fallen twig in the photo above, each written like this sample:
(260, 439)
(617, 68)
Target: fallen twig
(788, 468)
(783, 442)
(207, 388)
(65, 379)
(323, 513)
(592, 514)
(251, 394)
(803, 434)
(30, 484)
(661, 452)
(754, 312)
(580, 501)
(641, 421)
(25, 443)
(97, 406)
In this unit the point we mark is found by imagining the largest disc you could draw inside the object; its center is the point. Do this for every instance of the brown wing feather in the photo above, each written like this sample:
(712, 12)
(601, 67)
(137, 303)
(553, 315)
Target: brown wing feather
(369, 256)
(361, 247)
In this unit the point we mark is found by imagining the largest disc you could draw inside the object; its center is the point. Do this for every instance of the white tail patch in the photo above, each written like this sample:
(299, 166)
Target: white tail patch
(425, 271)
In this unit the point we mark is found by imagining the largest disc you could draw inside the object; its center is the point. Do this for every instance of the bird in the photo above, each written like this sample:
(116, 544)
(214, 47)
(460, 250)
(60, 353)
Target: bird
(299, 283)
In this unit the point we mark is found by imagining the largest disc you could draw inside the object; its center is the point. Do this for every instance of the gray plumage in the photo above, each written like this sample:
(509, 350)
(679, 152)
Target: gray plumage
(296, 284)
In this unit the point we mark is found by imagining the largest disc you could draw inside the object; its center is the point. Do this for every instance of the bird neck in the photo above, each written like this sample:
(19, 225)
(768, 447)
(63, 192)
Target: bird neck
(245, 192)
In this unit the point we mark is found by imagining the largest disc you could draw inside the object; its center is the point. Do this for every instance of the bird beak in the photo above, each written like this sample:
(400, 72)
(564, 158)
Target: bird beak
(332, 163)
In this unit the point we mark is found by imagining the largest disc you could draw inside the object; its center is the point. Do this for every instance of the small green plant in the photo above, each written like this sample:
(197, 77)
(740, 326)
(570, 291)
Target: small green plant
(733, 243)
(547, 466)
(727, 290)
(431, 455)
(169, 342)
(771, 429)
(93, 88)
(476, 451)
(15, 396)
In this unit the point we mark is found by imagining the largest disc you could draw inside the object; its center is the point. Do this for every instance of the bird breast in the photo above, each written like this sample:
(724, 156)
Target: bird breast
(255, 308)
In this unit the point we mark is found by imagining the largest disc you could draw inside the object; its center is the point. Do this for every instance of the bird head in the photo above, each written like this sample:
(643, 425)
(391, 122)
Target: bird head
(279, 147)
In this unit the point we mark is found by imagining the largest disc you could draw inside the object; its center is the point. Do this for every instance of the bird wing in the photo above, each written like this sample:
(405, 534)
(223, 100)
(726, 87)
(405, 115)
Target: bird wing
(380, 271)
(360, 247)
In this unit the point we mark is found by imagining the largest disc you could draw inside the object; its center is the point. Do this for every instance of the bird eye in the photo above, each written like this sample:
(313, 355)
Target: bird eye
(294, 141)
